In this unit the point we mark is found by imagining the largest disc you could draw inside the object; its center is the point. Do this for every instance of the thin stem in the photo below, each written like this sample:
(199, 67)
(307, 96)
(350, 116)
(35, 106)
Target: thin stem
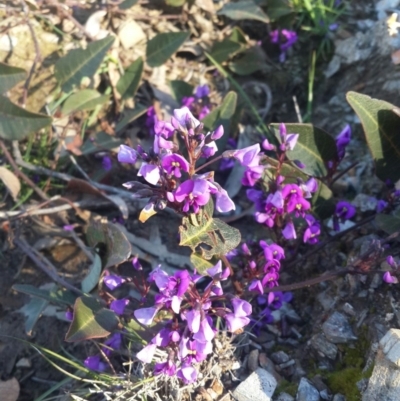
(342, 173)
(208, 163)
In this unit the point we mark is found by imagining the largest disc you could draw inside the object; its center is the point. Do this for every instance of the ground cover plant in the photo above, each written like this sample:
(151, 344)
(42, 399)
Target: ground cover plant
(109, 144)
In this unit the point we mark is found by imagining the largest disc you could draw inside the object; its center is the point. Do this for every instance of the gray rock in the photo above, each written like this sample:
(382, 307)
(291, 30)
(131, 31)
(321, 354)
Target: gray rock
(384, 383)
(337, 329)
(259, 386)
(280, 357)
(385, 5)
(307, 392)
(323, 346)
(325, 395)
(348, 308)
(252, 362)
(285, 397)
(339, 397)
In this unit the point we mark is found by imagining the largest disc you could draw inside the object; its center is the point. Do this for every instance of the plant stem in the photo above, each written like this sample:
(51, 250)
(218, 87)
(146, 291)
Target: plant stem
(208, 163)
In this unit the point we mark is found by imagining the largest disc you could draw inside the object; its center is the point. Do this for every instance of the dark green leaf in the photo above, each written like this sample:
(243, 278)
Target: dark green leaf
(180, 89)
(91, 320)
(10, 76)
(16, 123)
(238, 36)
(244, 9)
(381, 126)
(130, 115)
(314, 148)
(86, 99)
(163, 46)
(100, 141)
(80, 63)
(322, 202)
(32, 312)
(118, 247)
(388, 223)
(129, 82)
(127, 4)
(251, 60)
(206, 236)
(278, 8)
(57, 296)
(92, 278)
(221, 51)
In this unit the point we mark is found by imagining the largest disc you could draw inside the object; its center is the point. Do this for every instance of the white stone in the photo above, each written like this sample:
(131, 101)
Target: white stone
(259, 386)
(130, 33)
(390, 344)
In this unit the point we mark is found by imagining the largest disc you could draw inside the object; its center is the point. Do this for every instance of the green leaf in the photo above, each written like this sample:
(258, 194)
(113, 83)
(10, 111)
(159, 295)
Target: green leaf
(163, 46)
(388, 223)
(175, 3)
(17, 123)
(129, 82)
(80, 63)
(221, 51)
(244, 9)
(314, 148)
(206, 236)
(250, 61)
(130, 115)
(180, 89)
(238, 36)
(100, 141)
(322, 202)
(278, 8)
(127, 4)
(86, 99)
(91, 320)
(32, 312)
(200, 264)
(118, 247)
(92, 278)
(381, 126)
(57, 295)
(10, 76)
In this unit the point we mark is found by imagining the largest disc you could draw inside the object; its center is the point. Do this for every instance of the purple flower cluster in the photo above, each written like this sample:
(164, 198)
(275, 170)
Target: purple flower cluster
(388, 277)
(188, 333)
(286, 39)
(198, 103)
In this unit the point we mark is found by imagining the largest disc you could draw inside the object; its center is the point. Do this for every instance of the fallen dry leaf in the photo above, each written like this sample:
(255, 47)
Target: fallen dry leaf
(9, 390)
(11, 181)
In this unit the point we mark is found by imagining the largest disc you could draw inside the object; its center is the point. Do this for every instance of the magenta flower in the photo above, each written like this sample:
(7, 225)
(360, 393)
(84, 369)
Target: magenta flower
(389, 279)
(202, 91)
(112, 281)
(166, 368)
(298, 205)
(390, 261)
(193, 320)
(150, 173)
(311, 234)
(289, 231)
(248, 157)
(173, 164)
(252, 175)
(118, 305)
(127, 155)
(272, 251)
(187, 373)
(218, 133)
(194, 193)
(256, 286)
(147, 353)
(205, 333)
(145, 315)
(94, 363)
(238, 319)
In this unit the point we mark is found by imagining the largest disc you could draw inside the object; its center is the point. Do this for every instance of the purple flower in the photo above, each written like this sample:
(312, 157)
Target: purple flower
(204, 112)
(69, 315)
(241, 308)
(68, 227)
(127, 155)
(272, 251)
(218, 133)
(147, 353)
(223, 203)
(252, 175)
(114, 342)
(289, 231)
(193, 320)
(162, 128)
(248, 157)
(388, 278)
(145, 315)
(345, 210)
(266, 145)
(381, 205)
(167, 368)
(112, 281)
(94, 363)
(256, 286)
(342, 140)
(160, 277)
(209, 149)
(202, 91)
(173, 164)
(187, 373)
(312, 232)
(118, 305)
(390, 261)
(286, 39)
(106, 163)
(205, 333)
(150, 173)
(194, 193)
(183, 119)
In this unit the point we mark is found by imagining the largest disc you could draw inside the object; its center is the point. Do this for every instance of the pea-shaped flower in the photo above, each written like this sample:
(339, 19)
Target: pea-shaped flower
(173, 164)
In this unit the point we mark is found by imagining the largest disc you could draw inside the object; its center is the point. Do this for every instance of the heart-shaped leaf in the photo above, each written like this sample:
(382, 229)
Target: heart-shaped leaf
(278, 8)
(10, 76)
(118, 247)
(206, 236)
(80, 63)
(129, 82)
(250, 61)
(32, 311)
(381, 126)
(92, 278)
(163, 46)
(100, 141)
(17, 123)
(90, 320)
(314, 148)
(244, 9)
(221, 51)
(86, 99)
(57, 296)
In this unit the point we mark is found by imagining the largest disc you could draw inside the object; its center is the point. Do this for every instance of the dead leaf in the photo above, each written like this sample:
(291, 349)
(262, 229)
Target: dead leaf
(74, 145)
(9, 390)
(130, 33)
(206, 5)
(11, 181)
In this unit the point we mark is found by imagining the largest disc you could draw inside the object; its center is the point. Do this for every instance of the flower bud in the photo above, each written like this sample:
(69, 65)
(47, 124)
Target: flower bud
(218, 133)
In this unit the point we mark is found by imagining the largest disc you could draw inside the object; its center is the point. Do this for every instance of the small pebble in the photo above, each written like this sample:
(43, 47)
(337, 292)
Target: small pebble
(307, 392)
(252, 362)
(280, 357)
